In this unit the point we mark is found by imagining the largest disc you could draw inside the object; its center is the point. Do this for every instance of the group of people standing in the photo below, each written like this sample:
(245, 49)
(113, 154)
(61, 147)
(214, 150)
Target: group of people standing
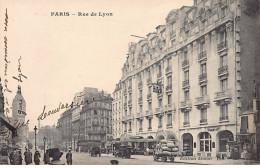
(17, 159)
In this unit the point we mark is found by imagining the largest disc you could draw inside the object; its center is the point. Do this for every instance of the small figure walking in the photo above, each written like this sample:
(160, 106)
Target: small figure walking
(69, 157)
(37, 158)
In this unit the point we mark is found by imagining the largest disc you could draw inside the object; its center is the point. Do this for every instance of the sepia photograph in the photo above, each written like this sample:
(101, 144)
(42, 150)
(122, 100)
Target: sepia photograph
(133, 82)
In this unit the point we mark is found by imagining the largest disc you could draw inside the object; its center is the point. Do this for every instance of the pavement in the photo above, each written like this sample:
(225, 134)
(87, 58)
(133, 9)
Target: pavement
(86, 159)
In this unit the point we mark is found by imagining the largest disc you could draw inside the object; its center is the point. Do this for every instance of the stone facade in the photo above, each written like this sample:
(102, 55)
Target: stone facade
(193, 79)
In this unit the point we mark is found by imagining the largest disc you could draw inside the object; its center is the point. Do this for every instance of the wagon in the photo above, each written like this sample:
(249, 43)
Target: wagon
(124, 151)
(165, 150)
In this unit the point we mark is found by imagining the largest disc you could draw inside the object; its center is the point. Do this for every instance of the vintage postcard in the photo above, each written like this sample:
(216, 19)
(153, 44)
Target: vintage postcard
(133, 82)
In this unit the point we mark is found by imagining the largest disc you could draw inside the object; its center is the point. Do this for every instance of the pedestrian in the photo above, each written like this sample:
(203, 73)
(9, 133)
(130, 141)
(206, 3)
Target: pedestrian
(11, 157)
(37, 157)
(69, 157)
(147, 151)
(46, 158)
(30, 156)
(27, 157)
(20, 158)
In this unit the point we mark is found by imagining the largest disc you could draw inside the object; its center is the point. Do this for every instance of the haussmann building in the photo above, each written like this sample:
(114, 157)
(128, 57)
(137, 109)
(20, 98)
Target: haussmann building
(195, 79)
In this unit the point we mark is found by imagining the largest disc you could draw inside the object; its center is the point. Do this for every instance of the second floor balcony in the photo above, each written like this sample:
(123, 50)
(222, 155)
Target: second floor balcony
(223, 97)
(185, 84)
(139, 115)
(186, 106)
(202, 102)
(170, 107)
(223, 118)
(185, 63)
(148, 113)
(203, 121)
(222, 45)
(158, 110)
(186, 123)
(223, 70)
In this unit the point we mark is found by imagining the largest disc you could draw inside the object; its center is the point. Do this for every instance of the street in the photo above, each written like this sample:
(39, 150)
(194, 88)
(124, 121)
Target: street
(86, 159)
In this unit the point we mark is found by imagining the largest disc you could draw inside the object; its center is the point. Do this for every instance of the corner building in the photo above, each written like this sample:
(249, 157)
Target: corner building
(195, 80)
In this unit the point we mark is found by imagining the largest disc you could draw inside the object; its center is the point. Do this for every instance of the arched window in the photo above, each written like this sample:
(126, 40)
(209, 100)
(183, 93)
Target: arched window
(224, 138)
(205, 142)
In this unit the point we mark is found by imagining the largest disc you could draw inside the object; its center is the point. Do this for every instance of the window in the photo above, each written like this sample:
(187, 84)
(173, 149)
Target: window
(223, 61)
(186, 118)
(223, 85)
(223, 36)
(203, 115)
(141, 108)
(203, 90)
(149, 123)
(169, 80)
(169, 99)
(159, 69)
(159, 122)
(141, 125)
(130, 126)
(244, 125)
(130, 110)
(186, 75)
(185, 55)
(160, 102)
(202, 47)
(205, 142)
(163, 34)
(140, 93)
(187, 95)
(173, 42)
(203, 68)
(95, 112)
(150, 105)
(169, 62)
(169, 119)
(224, 112)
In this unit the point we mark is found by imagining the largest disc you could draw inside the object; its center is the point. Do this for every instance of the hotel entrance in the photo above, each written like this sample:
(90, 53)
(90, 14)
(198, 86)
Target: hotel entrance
(187, 140)
(205, 144)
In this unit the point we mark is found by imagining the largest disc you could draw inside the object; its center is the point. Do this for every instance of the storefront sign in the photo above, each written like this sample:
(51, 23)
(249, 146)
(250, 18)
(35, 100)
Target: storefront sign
(195, 158)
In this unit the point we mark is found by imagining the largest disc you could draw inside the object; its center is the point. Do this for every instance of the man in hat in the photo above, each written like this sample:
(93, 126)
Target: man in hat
(69, 157)
(37, 158)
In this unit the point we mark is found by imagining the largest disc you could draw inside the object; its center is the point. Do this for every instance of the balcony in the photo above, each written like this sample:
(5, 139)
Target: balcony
(223, 97)
(139, 115)
(140, 85)
(148, 113)
(186, 123)
(130, 130)
(223, 71)
(140, 129)
(223, 118)
(202, 102)
(125, 105)
(185, 84)
(172, 34)
(149, 80)
(129, 88)
(149, 128)
(159, 75)
(140, 100)
(169, 107)
(222, 45)
(185, 63)
(203, 121)
(129, 117)
(203, 78)
(125, 92)
(169, 125)
(168, 70)
(129, 102)
(158, 111)
(159, 126)
(149, 97)
(186, 106)
(202, 56)
(169, 88)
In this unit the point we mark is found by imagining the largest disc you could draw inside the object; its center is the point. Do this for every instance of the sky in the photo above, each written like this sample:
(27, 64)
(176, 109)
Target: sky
(60, 55)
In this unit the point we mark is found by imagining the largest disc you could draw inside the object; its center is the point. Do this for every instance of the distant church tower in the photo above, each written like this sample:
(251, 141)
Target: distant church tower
(19, 114)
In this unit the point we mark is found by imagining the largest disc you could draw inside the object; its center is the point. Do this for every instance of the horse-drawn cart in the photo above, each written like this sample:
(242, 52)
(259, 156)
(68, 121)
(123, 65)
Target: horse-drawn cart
(165, 150)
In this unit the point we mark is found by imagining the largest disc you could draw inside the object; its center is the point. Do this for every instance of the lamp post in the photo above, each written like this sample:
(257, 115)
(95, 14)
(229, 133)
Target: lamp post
(35, 130)
(44, 140)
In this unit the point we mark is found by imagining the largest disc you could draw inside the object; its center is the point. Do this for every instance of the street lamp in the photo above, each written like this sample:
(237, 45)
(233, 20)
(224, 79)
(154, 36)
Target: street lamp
(44, 140)
(35, 129)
